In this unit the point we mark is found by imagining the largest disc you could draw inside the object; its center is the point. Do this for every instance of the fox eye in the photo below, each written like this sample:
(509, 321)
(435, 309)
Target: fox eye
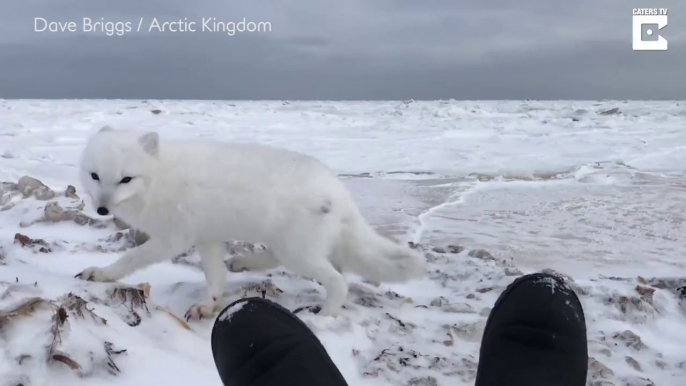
(125, 180)
(95, 176)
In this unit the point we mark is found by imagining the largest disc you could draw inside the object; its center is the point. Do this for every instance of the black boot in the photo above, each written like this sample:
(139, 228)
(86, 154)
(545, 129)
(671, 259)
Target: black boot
(256, 342)
(535, 336)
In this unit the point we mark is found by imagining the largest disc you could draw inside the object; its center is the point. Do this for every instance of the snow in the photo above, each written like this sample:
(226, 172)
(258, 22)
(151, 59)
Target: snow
(230, 311)
(537, 184)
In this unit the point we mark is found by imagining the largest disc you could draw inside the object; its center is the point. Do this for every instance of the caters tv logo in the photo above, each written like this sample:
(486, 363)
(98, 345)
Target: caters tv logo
(647, 24)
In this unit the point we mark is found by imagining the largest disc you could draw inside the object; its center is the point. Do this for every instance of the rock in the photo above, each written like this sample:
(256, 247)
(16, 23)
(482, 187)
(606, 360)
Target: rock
(70, 192)
(481, 254)
(661, 364)
(633, 363)
(646, 293)
(425, 381)
(27, 185)
(5, 197)
(472, 332)
(597, 369)
(484, 290)
(681, 292)
(34, 244)
(54, 212)
(630, 339)
(438, 250)
(120, 224)
(82, 219)
(638, 309)
(606, 351)
(439, 302)
(636, 381)
(669, 283)
(44, 193)
(7, 186)
(455, 248)
(471, 296)
(486, 311)
(459, 308)
(513, 271)
(613, 111)
(430, 257)
(156, 111)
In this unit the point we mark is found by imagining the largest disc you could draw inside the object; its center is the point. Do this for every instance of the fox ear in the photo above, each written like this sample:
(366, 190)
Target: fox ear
(150, 142)
(105, 128)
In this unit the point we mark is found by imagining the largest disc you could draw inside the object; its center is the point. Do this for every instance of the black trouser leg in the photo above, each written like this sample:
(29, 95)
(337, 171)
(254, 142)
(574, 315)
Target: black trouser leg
(256, 342)
(535, 336)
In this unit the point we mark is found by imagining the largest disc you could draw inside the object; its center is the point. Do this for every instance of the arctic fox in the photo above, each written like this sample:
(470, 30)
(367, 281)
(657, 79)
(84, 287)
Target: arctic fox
(194, 193)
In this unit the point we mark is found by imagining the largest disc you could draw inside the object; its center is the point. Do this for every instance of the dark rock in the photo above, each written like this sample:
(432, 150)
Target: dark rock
(455, 248)
(438, 250)
(669, 283)
(613, 111)
(70, 192)
(481, 254)
(156, 111)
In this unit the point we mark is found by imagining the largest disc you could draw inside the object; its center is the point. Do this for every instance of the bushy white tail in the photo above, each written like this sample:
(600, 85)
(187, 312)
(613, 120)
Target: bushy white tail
(376, 258)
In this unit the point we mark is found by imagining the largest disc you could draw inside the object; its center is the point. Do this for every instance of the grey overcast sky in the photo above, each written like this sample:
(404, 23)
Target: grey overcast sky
(344, 49)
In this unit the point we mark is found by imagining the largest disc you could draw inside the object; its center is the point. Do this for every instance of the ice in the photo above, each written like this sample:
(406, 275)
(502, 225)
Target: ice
(537, 184)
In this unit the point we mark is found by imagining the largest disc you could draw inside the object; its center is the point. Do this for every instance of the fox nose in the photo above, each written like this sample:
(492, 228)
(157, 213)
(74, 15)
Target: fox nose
(103, 211)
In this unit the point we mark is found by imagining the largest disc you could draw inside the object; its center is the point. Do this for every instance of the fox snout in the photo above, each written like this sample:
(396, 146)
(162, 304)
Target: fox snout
(102, 204)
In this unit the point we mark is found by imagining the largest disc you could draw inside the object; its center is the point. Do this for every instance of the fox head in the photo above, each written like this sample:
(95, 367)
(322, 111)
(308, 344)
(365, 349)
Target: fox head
(117, 166)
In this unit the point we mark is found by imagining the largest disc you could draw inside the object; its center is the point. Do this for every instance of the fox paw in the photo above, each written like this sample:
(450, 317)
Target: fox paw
(96, 274)
(200, 311)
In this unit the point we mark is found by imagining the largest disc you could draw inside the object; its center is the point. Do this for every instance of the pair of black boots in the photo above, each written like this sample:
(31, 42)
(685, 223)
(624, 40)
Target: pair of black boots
(535, 336)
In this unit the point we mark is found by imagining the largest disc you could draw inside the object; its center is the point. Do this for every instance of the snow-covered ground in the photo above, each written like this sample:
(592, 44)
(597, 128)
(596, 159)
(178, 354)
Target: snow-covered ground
(598, 196)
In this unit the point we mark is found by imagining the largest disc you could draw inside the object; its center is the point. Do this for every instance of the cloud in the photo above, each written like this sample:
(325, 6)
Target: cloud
(382, 49)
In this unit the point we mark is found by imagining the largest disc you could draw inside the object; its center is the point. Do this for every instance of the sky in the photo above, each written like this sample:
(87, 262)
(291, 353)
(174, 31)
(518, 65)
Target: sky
(340, 50)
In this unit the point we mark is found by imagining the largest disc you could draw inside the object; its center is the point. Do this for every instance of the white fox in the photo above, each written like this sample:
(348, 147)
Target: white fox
(200, 193)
